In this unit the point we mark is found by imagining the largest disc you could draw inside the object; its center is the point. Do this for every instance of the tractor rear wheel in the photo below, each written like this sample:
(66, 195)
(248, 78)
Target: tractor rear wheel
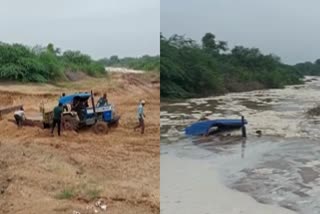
(101, 128)
(70, 123)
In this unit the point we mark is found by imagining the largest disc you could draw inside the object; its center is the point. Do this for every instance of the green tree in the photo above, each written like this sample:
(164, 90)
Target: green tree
(210, 44)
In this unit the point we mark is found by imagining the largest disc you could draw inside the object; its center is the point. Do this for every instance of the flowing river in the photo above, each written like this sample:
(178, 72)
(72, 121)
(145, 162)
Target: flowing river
(275, 173)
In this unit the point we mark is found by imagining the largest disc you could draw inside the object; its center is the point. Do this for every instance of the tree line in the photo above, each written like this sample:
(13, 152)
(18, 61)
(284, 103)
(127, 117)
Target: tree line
(145, 63)
(309, 68)
(191, 69)
(43, 64)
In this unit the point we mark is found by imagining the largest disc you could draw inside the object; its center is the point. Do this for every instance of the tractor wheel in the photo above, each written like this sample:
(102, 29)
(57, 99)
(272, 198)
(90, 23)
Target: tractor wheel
(70, 123)
(101, 127)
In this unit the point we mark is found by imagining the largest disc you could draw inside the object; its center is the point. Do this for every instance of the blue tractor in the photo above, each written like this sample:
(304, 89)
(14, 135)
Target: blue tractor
(81, 115)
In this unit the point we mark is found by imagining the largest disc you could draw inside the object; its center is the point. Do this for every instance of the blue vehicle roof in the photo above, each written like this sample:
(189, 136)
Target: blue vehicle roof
(202, 127)
(69, 98)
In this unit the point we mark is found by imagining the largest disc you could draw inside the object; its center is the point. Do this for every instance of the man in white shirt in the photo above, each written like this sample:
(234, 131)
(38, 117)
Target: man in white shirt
(140, 116)
(19, 116)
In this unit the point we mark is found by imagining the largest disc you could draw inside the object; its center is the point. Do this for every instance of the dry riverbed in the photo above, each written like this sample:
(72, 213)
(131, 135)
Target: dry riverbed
(43, 174)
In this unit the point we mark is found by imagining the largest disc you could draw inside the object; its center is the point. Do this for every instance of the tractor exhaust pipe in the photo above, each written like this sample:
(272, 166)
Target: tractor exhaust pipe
(93, 106)
(243, 128)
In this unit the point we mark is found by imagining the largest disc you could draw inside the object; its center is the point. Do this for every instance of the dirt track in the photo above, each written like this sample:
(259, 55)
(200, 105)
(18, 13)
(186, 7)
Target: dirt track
(43, 174)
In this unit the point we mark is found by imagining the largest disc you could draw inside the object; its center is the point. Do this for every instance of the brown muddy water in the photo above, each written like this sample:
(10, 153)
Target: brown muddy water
(281, 168)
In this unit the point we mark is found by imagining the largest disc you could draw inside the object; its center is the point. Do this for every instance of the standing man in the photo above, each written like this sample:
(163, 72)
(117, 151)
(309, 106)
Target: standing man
(103, 101)
(19, 116)
(141, 116)
(57, 112)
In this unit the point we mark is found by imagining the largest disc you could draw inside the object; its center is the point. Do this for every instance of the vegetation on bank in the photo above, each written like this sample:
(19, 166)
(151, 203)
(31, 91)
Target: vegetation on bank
(43, 64)
(309, 68)
(145, 63)
(190, 69)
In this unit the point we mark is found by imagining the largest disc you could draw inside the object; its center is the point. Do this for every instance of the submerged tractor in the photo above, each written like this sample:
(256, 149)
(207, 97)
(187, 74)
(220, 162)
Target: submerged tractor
(80, 115)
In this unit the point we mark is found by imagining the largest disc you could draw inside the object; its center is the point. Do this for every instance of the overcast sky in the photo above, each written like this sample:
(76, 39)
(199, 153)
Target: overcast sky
(287, 28)
(97, 27)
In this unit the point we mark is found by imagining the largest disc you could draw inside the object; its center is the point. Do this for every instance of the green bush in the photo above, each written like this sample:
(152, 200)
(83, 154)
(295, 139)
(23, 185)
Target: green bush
(20, 63)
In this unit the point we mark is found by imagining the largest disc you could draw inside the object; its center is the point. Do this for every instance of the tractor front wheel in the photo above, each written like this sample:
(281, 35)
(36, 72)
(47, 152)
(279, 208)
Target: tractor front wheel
(70, 123)
(101, 128)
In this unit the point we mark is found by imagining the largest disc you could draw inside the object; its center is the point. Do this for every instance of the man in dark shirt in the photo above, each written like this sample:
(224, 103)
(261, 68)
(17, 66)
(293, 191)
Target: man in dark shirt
(57, 112)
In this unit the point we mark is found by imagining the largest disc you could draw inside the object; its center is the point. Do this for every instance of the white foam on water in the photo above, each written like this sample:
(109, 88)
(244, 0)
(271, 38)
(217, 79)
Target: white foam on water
(286, 116)
(179, 104)
(123, 70)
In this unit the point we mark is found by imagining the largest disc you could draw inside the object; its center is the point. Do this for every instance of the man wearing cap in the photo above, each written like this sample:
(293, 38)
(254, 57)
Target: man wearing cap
(141, 116)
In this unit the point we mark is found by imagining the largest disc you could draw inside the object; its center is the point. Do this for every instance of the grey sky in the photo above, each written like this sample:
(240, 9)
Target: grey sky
(97, 27)
(287, 28)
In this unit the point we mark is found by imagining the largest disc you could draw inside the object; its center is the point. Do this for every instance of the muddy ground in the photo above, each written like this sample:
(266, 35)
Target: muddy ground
(44, 174)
